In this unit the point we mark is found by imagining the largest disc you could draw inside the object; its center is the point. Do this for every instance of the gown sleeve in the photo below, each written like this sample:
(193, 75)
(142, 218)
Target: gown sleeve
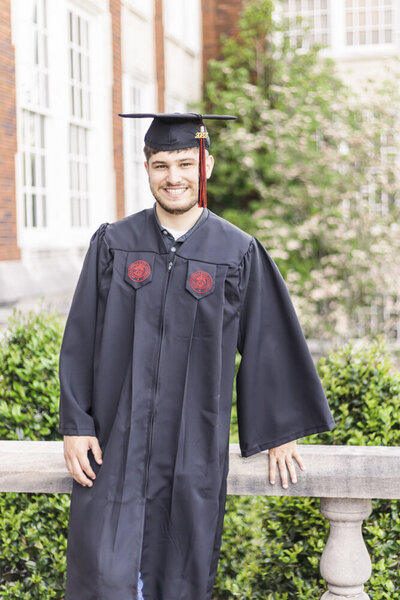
(77, 348)
(279, 394)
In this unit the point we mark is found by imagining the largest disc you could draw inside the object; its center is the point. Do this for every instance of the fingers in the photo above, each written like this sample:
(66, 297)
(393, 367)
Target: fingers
(284, 459)
(272, 468)
(297, 456)
(95, 447)
(79, 475)
(292, 471)
(77, 460)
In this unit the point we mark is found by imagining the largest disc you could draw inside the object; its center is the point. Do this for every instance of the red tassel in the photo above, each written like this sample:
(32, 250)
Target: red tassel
(202, 202)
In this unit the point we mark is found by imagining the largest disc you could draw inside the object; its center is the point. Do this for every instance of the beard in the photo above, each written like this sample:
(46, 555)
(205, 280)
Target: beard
(191, 202)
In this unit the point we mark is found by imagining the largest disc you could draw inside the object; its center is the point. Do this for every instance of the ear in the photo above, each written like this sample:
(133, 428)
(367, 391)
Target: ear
(209, 165)
(146, 166)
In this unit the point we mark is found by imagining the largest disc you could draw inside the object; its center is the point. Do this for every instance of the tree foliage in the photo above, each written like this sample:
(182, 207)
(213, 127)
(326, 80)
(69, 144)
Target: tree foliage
(310, 168)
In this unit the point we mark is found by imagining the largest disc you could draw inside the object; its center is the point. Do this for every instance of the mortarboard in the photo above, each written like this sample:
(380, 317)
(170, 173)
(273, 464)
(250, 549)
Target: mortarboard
(175, 131)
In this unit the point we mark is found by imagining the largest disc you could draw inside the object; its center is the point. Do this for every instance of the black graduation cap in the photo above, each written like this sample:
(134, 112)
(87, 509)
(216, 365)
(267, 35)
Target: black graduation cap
(175, 131)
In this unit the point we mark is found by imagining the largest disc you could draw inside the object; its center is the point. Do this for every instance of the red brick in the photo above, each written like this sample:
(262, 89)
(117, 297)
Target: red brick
(160, 59)
(218, 18)
(8, 139)
(115, 10)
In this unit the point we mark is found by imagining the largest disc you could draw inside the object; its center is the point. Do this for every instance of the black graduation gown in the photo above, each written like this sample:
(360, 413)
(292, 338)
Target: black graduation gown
(147, 365)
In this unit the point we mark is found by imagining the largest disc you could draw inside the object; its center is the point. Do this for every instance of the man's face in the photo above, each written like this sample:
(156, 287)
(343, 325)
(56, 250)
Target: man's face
(174, 178)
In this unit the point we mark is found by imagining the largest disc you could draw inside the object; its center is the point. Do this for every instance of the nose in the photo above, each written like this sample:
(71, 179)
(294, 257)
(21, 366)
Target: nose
(173, 175)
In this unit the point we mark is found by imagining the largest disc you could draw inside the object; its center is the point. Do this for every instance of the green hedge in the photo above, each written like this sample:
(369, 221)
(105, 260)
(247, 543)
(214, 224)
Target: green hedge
(33, 527)
(271, 546)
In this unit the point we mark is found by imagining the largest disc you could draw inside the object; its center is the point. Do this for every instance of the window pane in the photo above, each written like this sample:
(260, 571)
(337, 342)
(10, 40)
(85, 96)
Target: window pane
(388, 36)
(388, 17)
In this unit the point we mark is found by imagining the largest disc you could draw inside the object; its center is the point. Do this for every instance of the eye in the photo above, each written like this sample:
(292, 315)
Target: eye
(187, 164)
(159, 166)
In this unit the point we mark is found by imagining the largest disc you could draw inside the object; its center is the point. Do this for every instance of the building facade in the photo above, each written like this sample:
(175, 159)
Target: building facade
(68, 161)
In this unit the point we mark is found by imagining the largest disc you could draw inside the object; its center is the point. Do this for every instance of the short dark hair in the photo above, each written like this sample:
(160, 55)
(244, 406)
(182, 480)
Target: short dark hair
(149, 151)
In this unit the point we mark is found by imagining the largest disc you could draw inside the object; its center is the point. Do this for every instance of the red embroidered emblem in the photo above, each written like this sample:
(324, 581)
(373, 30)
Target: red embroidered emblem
(139, 270)
(201, 282)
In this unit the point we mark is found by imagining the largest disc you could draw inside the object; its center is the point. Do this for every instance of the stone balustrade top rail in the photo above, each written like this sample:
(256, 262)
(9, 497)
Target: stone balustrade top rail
(331, 471)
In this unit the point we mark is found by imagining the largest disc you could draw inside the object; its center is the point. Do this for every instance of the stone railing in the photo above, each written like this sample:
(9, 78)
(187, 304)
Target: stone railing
(345, 478)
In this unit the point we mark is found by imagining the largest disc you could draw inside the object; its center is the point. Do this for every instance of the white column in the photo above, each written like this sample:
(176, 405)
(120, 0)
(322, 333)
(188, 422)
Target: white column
(345, 563)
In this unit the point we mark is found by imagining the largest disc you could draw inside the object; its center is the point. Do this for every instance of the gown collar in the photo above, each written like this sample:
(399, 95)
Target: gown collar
(182, 238)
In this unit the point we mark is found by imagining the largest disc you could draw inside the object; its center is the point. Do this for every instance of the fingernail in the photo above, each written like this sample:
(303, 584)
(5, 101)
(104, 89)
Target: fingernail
(294, 480)
(285, 486)
(271, 481)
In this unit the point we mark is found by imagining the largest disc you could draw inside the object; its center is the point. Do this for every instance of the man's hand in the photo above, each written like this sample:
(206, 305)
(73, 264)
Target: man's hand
(283, 455)
(76, 457)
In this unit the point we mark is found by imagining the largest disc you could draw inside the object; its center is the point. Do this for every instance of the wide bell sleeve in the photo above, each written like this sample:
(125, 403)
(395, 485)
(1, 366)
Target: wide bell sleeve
(279, 394)
(77, 348)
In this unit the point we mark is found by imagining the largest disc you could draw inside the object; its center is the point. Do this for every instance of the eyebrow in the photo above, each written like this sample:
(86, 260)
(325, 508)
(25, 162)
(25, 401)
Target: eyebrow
(163, 162)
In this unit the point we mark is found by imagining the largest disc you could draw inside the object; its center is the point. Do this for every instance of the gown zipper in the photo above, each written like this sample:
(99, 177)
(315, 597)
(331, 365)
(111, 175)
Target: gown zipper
(170, 266)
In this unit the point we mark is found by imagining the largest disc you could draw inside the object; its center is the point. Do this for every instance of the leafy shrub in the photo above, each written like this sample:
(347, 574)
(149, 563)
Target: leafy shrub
(33, 527)
(272, 546)
(29, 386)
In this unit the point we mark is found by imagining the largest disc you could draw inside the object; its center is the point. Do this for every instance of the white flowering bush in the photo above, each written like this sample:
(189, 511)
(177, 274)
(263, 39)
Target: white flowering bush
(311, 168)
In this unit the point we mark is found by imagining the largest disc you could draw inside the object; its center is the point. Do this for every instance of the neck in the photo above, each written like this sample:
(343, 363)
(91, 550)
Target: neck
(181, 222)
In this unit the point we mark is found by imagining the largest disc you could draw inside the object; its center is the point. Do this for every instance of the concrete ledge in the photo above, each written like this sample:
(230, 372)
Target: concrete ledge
(331, 471)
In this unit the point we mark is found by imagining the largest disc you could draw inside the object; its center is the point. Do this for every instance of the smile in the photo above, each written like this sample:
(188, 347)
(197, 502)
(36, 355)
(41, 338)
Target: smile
(175, 192)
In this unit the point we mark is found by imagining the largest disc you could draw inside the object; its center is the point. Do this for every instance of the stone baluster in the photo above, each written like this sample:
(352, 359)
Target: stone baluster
(345, 563)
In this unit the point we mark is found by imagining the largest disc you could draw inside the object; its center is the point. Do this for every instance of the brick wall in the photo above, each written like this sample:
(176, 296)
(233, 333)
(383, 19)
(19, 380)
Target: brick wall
(160, 62)
(118, 141)
(219, 18)
(8, 139)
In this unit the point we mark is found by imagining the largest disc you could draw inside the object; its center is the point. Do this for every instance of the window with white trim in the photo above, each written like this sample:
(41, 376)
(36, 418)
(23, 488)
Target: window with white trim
(79, 117)
(34, 169)
(182, 20)
(136, 99)
(34, 98)
(369, 22)
(309, 21)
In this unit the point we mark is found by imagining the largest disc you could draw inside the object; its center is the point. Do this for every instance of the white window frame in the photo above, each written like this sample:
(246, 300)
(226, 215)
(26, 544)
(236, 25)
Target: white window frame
(311, 19)
(338, 48)
(138, 96)
(79, 122)
(33, 94)
(182, 23)
(58, 233)
(356, 29)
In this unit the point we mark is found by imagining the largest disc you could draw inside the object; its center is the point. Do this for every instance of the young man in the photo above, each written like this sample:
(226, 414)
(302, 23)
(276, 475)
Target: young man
(147, 365)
